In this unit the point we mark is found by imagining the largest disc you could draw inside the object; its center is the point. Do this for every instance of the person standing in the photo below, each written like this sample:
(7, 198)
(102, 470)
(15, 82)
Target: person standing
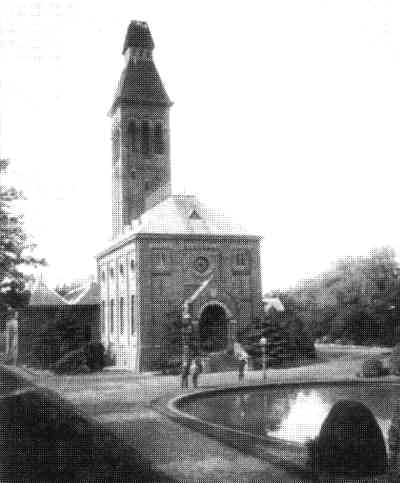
(12, 338)
(197, 370)
(242, 366)
(185, 374)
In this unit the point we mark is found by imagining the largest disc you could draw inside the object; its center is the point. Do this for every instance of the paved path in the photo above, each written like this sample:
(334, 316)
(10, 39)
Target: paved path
(124, 404)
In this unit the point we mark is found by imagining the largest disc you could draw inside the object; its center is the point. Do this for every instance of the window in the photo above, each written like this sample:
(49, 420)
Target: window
(133, 325)
(103, 276)
(159, 138)
(133, 175)
(132, 135)
(103, 316)
(132, 264)
(112, 315)
(121, 269)
(145, 137)
(121, 314)
(241, 259)
(111, 272)
(146, 185)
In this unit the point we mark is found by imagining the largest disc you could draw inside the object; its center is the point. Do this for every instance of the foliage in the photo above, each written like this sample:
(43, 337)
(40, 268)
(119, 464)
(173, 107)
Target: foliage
(63, 334)
(95, 356)
(395, 360)
(15, 248)
(89, 358)
(286, 336)
(71, 363)
(357, 300)
(372, 367)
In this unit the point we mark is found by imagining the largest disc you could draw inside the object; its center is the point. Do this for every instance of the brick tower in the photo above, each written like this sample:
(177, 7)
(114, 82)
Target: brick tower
(141, 174)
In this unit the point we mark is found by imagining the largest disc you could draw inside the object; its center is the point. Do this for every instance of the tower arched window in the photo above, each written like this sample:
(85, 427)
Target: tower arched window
(132, 135)
(159, 145)
(145, 137)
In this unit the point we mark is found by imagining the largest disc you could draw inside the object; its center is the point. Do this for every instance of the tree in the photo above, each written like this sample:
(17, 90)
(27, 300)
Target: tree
(15, 248)
(357, 300)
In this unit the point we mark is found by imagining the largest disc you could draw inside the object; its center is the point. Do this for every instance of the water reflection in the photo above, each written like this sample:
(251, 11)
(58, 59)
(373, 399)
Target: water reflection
(304, 419)
(296, 414)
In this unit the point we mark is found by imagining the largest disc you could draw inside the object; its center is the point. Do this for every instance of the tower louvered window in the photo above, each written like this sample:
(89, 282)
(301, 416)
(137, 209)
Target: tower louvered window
(159, 146)
(132, 135)
(145, 137)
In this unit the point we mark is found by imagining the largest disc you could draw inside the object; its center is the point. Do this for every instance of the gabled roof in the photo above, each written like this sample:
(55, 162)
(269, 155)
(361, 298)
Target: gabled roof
(42, 295)
(173, 216)
(273, 303)
(86, 295)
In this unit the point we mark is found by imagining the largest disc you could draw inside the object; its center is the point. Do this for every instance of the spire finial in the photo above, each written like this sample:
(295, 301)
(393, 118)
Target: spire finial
(138, 36)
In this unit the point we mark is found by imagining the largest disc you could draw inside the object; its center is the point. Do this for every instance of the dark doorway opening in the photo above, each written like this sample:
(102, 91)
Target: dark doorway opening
(213, 329)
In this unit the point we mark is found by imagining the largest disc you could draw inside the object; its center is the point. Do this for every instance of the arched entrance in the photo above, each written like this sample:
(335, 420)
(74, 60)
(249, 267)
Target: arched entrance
(213, 328)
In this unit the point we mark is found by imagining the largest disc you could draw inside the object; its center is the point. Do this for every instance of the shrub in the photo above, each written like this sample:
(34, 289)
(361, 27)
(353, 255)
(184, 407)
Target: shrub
(95, 356)
(350, 442)
(57, 337)
(372, 367)
(395, 360)
(72, 363)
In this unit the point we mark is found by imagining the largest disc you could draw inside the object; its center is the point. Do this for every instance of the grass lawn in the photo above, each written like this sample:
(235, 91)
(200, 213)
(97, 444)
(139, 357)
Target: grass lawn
(124, 403)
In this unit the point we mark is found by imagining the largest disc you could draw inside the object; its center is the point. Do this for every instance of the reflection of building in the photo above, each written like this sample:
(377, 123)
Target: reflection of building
(170, 254)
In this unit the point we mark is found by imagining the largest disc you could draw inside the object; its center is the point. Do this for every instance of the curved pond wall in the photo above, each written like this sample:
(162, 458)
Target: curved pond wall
(292, 455)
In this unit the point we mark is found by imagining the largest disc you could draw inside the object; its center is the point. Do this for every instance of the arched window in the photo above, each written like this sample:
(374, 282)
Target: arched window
(132, 264)
(112, 315)
(159, 145)
(121, 314)
(241, 259)
(121, 269)
(132, 135)
(145, 137)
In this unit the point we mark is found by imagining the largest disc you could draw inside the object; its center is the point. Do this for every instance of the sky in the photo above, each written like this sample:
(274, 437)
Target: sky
(286, 117)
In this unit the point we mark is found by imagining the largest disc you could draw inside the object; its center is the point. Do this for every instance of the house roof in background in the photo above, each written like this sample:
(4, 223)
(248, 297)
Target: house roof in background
(42, 295)
(86, 295)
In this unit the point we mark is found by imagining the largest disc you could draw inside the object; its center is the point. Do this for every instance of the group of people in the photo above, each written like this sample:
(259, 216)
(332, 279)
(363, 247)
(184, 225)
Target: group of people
(195, 368)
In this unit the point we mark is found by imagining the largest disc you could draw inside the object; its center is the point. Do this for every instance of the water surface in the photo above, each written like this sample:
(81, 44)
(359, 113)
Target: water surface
(292, 413)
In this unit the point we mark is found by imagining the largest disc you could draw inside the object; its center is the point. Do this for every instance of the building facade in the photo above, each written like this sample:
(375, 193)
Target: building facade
(171, 257)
